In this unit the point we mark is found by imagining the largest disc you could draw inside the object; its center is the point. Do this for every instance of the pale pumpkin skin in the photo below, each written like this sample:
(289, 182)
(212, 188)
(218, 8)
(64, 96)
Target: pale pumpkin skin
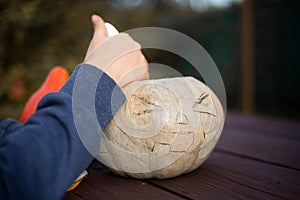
(167, 127)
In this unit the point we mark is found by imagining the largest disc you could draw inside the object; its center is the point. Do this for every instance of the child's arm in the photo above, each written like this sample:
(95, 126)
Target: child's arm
(41, 158)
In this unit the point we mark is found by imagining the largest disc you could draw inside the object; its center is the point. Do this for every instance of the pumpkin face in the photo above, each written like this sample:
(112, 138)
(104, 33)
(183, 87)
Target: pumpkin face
(167, 127)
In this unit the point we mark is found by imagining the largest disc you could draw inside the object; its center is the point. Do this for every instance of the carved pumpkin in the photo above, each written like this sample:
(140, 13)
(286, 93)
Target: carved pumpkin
(166, 128)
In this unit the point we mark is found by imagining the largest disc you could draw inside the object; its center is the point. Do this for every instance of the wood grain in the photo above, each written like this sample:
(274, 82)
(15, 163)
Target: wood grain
(271, 126)
(273, 141)
(101, 184)
(226, 176)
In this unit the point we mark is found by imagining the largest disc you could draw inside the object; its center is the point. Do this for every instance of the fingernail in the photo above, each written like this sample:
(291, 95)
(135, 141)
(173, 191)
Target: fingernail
(95, 19)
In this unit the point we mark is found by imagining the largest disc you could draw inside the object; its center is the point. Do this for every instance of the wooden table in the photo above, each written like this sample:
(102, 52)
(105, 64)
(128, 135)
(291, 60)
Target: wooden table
(256, 158)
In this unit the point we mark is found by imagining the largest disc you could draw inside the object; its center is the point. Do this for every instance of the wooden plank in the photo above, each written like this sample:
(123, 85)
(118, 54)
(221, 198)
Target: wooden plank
(72, 196)
(100, 184)
(226, 176)
(247, 142)
(274, 127)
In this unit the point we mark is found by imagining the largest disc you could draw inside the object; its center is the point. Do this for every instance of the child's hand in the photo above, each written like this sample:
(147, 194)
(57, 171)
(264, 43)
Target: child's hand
(119, 56)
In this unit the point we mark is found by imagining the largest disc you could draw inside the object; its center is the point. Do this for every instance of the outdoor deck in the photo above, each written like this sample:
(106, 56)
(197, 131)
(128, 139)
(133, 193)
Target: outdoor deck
(256, 158)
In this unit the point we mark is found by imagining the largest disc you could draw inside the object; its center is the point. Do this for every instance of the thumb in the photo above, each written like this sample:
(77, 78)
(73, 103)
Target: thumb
(99, 28)
(99, 33)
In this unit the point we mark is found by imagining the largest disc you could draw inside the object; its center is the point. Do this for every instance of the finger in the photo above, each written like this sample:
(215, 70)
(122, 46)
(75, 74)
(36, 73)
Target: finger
(99, 28)
(99, 33)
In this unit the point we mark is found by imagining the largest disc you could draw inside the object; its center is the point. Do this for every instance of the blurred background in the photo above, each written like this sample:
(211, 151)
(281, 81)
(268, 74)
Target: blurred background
(255, 44)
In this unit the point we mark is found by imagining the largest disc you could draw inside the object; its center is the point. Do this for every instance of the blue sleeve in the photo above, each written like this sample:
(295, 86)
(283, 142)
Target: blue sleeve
(41, 158)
